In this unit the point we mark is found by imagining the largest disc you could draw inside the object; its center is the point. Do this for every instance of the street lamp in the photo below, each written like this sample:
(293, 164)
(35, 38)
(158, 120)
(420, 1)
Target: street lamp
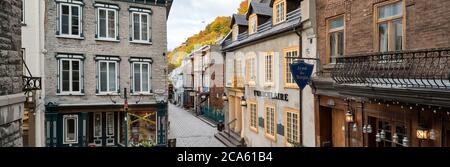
(224, 97)
(243, 102)
(30, 97)
(349, 118)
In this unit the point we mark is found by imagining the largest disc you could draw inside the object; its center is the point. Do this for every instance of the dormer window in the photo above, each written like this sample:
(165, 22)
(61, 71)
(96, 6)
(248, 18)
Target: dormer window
(279, 11)
(235, 32)
(253, 24)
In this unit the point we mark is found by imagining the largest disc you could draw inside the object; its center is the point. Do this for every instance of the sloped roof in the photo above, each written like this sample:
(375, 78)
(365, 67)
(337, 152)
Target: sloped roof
(272, 1)
(260, 9)
(239, 20)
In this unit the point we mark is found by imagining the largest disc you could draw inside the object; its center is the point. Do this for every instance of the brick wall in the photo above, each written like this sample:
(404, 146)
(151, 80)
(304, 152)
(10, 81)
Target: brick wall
(427, 24)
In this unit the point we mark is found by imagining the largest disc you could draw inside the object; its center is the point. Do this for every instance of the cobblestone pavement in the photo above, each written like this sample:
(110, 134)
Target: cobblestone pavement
(189, 130)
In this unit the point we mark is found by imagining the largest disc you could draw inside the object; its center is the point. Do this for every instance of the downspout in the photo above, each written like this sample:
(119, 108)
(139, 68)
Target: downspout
(300, 90)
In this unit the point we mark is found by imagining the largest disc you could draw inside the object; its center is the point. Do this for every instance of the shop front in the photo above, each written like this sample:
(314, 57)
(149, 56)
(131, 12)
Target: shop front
(106, 126)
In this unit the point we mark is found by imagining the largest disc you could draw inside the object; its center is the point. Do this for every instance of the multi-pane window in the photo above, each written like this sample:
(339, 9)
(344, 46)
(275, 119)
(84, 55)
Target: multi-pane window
(108, 76)
(335, 38)
(98, 125)
(292, 127)
(268, 67)
(141, 27)
(141, 77)
(70, 123)
(235, 33)
(70, 19)
(107, 23)
(279, 11)
(253, 24)
(253, 117)
(289, 59)
(390, 27)
(70, 75)
(270, 121)
(250, 71)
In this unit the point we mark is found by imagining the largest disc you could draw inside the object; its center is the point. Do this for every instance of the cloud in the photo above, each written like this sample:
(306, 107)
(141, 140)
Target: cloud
(188, 17)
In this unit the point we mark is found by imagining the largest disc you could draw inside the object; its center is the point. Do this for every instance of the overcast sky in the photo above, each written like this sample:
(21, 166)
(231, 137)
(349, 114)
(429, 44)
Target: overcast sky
(188, 17)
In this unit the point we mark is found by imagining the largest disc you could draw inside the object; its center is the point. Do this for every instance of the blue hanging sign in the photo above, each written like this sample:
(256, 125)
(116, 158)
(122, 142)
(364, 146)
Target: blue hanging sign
(302, 71)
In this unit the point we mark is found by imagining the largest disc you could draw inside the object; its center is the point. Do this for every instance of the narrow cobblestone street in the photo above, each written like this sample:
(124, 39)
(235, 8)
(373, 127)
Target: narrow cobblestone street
(189, 130)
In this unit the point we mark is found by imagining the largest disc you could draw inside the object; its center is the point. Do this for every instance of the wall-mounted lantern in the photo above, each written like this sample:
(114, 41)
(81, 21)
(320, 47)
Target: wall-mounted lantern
(243, 102)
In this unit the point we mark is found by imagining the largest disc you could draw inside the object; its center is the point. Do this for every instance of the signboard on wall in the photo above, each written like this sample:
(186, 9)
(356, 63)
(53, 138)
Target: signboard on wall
(270, 95)
(302, 71)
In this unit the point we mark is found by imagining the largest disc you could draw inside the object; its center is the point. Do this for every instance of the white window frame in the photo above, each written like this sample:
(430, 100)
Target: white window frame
(277, 19)
(140, 28)
(70, 92)
(269, 72)
(80, 26)
(101, 123)
(65, 118)
(107, 77)
(149, 77)
(107, 10)
(253, 24)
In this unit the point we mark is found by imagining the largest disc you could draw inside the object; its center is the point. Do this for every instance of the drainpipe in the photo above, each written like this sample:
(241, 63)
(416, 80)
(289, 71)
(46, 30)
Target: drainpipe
(300, 90)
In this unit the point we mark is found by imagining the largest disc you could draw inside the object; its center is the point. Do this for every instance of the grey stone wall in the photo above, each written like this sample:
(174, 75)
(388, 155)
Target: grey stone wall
(11, 96)
(89, 47)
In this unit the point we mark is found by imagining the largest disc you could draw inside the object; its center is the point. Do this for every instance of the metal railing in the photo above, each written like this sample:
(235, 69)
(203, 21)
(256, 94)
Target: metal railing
(428, 68)
(243, 36)
(264, 27)
(215, 115)
(228, 125)
(294, 15)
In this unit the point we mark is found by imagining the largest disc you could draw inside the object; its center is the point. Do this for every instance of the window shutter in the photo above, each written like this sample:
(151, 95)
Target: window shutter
(131, 77)
(117, 25)
(58, 90)
(57, 19)
(96, 76)
(118, 76)
(81, 29)
(82, 76)
(96, 22)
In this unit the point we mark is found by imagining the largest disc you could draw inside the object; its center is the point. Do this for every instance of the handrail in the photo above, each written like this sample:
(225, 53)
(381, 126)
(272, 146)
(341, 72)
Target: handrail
(228, 125)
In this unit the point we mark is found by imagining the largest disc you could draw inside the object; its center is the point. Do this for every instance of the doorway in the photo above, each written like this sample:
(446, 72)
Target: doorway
(325, 115)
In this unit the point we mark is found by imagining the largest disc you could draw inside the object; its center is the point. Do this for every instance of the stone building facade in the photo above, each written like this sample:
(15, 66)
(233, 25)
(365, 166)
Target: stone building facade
(265, 107)
(128, 59)
(11, 70)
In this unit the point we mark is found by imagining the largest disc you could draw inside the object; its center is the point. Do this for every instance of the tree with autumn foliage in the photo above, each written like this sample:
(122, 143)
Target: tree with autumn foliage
(243, 7)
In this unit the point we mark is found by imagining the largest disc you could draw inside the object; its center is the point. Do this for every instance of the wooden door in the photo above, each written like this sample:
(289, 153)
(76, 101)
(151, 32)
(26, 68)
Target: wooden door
(338, 130)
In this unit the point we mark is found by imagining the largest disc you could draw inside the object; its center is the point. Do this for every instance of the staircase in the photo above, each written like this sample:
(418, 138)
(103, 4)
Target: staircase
(230, 139)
